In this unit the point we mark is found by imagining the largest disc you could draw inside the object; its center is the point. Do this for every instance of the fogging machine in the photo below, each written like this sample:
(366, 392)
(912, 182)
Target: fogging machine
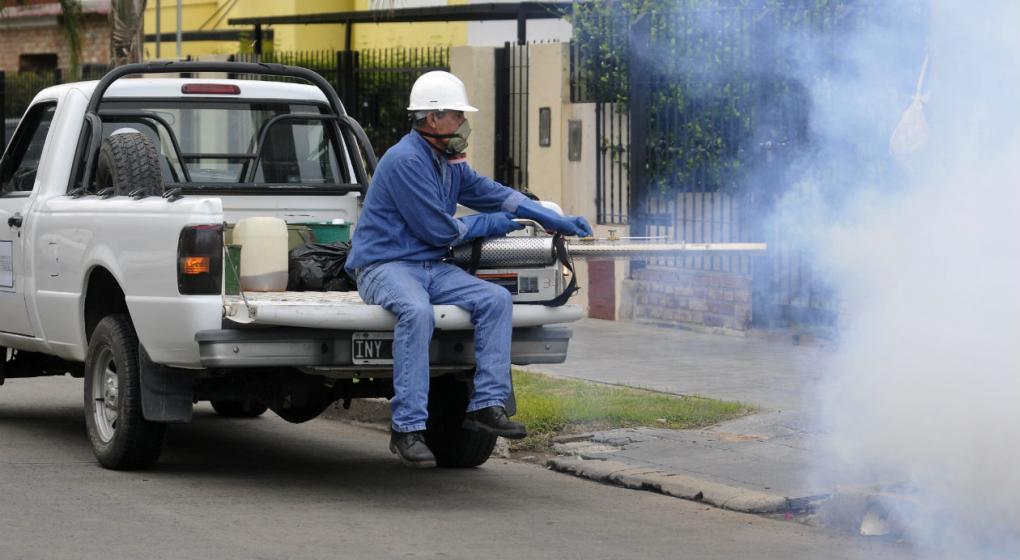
(532, 264)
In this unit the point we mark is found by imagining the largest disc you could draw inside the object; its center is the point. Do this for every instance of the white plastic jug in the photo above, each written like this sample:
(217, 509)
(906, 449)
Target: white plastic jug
(264, 254)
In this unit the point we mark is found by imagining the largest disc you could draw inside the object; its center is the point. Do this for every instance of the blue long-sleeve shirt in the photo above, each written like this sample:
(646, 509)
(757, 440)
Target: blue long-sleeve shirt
(408, 212)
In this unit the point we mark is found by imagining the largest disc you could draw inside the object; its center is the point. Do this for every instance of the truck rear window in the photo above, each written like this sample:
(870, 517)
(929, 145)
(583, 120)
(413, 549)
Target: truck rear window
(219, 141)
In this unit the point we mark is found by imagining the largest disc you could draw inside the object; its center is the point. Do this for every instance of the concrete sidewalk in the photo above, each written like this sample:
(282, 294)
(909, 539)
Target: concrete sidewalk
(760, 463)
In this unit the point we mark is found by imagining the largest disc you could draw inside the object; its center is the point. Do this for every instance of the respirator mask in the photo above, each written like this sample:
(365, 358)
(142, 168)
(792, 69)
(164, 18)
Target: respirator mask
(458, 139)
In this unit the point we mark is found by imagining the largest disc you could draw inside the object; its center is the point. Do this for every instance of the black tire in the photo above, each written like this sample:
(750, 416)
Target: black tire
(129, 162)
(453, 446)
(239, 409)
(121, 438)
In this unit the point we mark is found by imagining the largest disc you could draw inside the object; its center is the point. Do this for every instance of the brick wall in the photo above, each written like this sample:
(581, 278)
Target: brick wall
(700, 299)
(38, 38)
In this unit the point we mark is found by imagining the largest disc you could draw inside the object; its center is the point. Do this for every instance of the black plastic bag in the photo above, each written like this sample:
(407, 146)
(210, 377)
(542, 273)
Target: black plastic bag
(319, 267)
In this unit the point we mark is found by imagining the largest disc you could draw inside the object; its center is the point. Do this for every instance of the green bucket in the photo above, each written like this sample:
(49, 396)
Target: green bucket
(232, 270)
(329, 233)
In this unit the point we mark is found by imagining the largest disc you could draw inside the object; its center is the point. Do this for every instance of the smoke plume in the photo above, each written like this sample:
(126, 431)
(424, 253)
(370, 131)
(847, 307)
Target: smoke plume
(923, 246)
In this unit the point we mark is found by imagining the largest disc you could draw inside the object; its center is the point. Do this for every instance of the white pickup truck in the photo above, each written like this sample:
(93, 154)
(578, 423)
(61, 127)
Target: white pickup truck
(115, 197)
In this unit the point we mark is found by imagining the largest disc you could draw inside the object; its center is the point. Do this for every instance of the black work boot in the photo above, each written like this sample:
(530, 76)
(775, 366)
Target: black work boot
(493, 420)
(412, 450)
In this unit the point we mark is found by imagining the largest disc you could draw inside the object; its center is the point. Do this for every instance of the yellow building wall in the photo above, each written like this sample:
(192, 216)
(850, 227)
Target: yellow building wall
(210, 15)
(386, 35)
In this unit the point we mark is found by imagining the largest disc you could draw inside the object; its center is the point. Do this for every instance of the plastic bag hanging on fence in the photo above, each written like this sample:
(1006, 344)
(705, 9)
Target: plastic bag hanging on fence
(319, 267)
(911, 133)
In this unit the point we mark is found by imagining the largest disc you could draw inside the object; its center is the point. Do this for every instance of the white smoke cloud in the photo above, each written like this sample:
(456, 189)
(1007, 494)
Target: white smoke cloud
(924, 392)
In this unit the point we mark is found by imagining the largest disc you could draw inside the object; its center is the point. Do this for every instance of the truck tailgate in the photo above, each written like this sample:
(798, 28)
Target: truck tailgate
(347, 311)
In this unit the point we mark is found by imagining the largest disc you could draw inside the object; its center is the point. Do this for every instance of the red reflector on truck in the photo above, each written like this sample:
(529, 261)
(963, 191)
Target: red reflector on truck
(211, 89)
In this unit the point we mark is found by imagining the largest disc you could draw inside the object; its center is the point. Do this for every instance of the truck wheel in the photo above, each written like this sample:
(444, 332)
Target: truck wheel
(238, 409)
(129, 162)
(304, 412)
(122, 439)
(452, 445)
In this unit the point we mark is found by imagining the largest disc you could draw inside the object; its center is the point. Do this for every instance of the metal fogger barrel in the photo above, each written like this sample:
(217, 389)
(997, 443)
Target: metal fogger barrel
(511, 252)
(647, 248)
(525, 265)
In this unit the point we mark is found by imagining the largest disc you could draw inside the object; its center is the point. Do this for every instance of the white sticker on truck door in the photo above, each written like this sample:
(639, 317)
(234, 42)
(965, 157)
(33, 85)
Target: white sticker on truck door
(7, 265)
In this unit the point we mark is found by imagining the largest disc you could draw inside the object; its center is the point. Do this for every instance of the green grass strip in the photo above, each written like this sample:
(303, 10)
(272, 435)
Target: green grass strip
(553, 405)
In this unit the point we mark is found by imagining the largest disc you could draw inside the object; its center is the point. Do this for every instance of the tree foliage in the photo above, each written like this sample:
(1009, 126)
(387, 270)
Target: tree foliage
(717, 77)
(70, 28)
(126, 20)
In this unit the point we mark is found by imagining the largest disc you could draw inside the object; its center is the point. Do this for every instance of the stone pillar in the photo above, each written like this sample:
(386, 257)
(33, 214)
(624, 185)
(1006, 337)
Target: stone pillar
(476, 67)
(548, 87)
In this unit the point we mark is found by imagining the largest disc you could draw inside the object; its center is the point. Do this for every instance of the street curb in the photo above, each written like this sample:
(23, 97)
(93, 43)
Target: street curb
(671, 484)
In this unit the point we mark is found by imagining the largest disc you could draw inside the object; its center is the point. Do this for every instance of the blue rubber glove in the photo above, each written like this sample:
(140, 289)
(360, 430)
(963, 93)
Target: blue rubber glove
(496, 224)
(551, 220)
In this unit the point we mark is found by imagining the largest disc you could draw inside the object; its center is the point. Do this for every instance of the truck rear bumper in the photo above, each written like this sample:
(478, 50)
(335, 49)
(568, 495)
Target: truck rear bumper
(316, 348)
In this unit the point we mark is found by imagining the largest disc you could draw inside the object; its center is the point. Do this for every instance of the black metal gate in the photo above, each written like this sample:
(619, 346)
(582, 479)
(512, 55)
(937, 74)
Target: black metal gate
(694, 144)
(17, 89)
(511, 138)
(374, 84)
(377, 83)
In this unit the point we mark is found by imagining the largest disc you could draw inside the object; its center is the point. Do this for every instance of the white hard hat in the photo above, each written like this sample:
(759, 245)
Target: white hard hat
(439, 91)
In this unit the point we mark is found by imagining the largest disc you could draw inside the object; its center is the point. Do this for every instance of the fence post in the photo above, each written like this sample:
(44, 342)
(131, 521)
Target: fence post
(501, 165)
(3, 111)
(639, 104)
(346, 62)
(765, 276)
(522, 27)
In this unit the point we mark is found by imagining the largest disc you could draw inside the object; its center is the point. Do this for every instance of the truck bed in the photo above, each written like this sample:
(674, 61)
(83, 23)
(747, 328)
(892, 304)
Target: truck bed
(347, 311)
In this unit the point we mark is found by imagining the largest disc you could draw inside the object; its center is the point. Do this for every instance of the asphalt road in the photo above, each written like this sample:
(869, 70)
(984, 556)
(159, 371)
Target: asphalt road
(267, 489)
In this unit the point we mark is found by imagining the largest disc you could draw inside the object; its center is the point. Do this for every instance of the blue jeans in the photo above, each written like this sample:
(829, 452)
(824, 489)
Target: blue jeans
(408, 290)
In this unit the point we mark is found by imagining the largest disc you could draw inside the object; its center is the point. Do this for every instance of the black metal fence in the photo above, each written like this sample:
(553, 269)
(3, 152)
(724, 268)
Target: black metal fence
(700, 114)
(374, 84)
(612, 193)
(383, 80)
(17, 89)
(511, 134)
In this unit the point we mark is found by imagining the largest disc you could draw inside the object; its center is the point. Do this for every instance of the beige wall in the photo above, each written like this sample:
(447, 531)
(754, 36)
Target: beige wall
(548, 86)
(476, 67)
(578, 176)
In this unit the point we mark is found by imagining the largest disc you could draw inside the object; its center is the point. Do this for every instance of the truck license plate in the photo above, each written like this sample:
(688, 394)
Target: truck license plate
(372, 348)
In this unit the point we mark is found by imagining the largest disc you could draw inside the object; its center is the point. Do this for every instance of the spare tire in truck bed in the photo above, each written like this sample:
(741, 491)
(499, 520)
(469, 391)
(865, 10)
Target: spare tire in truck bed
(129, 162)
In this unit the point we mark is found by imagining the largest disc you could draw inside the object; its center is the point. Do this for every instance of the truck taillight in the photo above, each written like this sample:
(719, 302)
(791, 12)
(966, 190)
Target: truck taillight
(196, 265)
(200, 259)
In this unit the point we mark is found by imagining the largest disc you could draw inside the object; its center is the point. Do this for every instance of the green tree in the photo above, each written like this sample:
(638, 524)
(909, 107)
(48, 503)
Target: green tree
(126, 39)
(126, 22)
(70, 28)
